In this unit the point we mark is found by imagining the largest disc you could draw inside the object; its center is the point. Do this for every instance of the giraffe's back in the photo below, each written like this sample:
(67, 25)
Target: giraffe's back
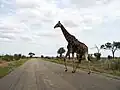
(79, 47)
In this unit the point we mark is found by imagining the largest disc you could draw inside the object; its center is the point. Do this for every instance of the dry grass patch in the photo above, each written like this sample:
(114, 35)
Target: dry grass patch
(102, 66)
(7, 67)
(3, 63)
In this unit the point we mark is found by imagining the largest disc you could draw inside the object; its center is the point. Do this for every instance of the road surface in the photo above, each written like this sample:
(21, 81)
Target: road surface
(38, 74)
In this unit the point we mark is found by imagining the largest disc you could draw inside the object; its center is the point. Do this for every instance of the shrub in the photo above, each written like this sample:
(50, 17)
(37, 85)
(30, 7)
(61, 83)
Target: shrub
(109, 57)
(23, 56)
(115, 64)
(7, 57)
(112, 64)
(42, 56)
(17, 56)
(97, 55)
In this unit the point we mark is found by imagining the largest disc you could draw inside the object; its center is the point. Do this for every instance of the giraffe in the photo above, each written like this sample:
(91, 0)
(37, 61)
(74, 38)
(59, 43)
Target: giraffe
(74, 46)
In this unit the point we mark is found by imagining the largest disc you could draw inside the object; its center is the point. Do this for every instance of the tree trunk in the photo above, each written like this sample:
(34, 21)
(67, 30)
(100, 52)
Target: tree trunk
(60, 55)
(30, 56)
(113, 53)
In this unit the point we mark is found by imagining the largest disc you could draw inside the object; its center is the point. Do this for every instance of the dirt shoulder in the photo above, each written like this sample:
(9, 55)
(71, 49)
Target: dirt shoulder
(7, 67)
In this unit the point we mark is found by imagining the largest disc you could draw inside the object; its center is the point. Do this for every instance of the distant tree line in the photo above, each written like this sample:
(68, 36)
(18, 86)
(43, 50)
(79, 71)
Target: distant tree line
(8, 57)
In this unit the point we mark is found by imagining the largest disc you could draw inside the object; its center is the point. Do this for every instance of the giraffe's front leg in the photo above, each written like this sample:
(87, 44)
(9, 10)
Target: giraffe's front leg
(73, 60)
(65, 61)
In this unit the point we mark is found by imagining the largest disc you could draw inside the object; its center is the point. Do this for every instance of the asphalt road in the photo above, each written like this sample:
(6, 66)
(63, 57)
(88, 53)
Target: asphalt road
(38, 74)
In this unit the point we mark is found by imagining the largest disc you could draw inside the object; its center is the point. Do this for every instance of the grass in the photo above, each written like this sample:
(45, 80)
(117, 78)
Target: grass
(3, 71)
(11, 66)
(111, 67)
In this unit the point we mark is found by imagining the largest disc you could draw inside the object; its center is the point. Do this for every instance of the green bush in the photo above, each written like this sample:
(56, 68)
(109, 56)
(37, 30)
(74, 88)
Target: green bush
(115, 64)
(97, 55)
(17, 56)
(12, 57)
(7, 57)
(23, 56)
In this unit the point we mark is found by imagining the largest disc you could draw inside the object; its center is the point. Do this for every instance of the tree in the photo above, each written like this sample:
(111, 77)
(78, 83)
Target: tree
(31, 54)
(61, 51)
(98, 54)
(42, 56)
(111, 46)
(20, 55)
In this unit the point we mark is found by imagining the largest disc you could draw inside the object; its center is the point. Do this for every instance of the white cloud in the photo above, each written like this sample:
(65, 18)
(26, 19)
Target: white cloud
(7, 36)
(31, 23)
(26, 38)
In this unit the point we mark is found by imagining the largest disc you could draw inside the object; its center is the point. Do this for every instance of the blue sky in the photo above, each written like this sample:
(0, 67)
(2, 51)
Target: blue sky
(27, 25)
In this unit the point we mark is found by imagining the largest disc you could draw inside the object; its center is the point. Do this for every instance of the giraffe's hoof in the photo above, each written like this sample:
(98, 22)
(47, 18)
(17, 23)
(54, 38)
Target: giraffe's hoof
(73, 71)
(66, 70)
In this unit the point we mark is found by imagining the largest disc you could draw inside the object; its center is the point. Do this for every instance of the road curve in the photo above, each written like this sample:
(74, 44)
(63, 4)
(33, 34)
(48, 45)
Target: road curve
(38, 74)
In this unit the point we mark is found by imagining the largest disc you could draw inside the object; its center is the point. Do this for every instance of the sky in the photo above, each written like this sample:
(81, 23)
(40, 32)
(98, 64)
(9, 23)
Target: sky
(27, 25)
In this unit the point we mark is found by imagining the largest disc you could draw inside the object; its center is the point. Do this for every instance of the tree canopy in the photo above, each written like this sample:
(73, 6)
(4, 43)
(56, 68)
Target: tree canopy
(61, 51)
(31, 54)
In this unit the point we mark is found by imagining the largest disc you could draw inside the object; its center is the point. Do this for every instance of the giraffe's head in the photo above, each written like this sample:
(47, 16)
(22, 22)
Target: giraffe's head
(58, 25)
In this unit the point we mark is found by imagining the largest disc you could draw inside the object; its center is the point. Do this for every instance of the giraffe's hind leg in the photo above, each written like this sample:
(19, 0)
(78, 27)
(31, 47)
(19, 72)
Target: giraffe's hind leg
(88, 59)
(73, 60)
(89, 67)
(73, 71)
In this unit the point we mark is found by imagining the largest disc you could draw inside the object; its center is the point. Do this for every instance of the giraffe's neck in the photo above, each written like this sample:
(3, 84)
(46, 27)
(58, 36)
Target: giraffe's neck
(66, 33)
